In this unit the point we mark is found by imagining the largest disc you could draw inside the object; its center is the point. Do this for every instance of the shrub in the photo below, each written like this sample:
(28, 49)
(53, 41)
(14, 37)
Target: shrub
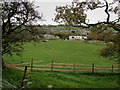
(113, 49)
(102, 36)
(108, 51)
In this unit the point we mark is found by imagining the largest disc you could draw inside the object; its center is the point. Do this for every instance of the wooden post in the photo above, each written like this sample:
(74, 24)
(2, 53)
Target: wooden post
(93, 68)
(52, 66)
(32, 64)
(119, 68)
(74, 67)
(25, 70)
(112, 68)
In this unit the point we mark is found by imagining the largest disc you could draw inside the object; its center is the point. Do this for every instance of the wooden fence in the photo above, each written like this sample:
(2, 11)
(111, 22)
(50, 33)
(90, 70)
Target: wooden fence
(74, 67)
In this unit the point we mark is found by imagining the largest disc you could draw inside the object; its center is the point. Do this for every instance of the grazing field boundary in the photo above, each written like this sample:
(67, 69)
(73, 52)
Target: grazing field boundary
(69, 67)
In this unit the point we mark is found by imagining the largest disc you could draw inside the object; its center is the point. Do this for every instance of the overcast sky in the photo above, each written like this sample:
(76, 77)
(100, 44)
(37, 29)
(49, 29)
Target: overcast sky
(47, 7)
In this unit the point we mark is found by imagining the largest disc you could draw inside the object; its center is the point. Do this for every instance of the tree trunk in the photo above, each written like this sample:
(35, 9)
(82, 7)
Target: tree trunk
(3, 64)
(119, 72)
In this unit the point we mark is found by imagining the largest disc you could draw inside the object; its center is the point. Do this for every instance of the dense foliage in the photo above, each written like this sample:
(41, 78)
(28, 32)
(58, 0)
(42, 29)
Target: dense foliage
(113, 49)
(17, 18)
(70, 14)
(102, 33)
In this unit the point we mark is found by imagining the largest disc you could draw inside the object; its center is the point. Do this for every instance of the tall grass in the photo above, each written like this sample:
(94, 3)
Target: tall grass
(62, 79)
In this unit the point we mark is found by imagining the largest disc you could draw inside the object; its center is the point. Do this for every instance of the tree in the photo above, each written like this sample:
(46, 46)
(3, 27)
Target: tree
(104, 25)
(70, 14)
(100, 32)
(75, 13)
(113, 49)
(17, 28)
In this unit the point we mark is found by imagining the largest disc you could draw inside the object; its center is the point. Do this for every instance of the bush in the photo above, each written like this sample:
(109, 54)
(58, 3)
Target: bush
(102, 36)
(113, 49)
(108, 51)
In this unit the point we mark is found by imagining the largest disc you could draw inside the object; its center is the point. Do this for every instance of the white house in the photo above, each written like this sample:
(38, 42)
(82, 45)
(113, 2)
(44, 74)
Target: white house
(77, 37)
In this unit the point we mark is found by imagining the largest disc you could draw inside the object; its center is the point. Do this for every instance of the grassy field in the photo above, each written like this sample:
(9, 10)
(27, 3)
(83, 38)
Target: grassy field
(62, 52)
(62, 79)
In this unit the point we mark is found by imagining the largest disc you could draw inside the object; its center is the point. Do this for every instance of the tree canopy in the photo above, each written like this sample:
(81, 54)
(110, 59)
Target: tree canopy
(75, 14)
(70, 14)
(17, 28)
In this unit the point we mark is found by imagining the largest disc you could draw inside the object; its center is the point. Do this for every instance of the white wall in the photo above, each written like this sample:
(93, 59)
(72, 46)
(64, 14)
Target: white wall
(77, 37)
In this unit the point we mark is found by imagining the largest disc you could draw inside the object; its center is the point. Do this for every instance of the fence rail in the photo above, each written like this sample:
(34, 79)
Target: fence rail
(73, 67)
(81, 65)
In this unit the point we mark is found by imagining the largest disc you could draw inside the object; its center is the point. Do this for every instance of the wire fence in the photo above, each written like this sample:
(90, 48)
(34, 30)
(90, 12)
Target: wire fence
(72, 67)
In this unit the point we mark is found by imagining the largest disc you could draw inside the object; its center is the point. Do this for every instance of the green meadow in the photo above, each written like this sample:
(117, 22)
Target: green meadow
(61, 51)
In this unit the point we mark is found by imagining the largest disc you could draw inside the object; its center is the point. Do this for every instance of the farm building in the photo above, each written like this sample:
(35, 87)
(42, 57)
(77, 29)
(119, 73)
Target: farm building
(77, 38)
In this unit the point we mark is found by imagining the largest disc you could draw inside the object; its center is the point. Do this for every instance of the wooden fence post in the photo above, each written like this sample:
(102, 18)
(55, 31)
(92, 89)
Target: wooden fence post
(93, 68)
(74, 67)
(112, 68)
(25, 70)
(52, 66)
(32, 64)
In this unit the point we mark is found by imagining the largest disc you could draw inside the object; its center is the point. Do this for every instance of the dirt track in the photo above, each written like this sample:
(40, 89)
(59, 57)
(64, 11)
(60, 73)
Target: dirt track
(28, 63)
(14, 66)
